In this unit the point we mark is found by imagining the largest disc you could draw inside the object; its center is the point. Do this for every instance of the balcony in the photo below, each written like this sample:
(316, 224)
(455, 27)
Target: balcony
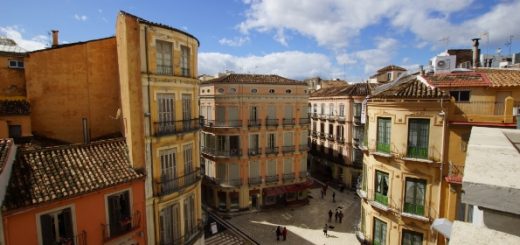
(190, 236)
(413, 209)
(170, 185)
(254, 181)
(273, 150)
(229, 182)
(331, 118)
(455, 173)
(321, 135)
(221, 153)
(254, 123)
(288, 177)
(314, 115)
(330, 137)
(254, 151)
(492, 112)
(304, 147)
(271, 123)
(222, 124)
(165, 70)
(417, 152)
(322, 117)
(380, 198)
(303, 175)
(356, 120)
(288, 149)
(176, 127)
(124, 226)
(305, 121)
(271, 179)
(79, 239)
(341, 119)
(340, 140)
(288, 122)
(314, 134)
(383, 148)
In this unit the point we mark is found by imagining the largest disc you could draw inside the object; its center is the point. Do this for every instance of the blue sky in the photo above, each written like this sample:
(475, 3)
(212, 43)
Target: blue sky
(347, 39)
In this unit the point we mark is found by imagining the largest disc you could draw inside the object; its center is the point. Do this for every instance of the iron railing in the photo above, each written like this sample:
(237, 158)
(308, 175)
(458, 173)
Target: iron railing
(254, 123)
(121, 227)
(330, 137)
(341, 119)
(417, 152)
(305, 121)
(176, 127)
(357, 120)
(288, 177)
(165, 69)
(314, 115)
(78, 239)
(271, 179)
(255, 180)
(340, 140)
(304, 147)
(288, 148)
(221, 153)
(321, 135)
(288, 122)
(314, 134)
(168, 185)
(222, 124)
(271, 150)
(271, 122)
(254, 151)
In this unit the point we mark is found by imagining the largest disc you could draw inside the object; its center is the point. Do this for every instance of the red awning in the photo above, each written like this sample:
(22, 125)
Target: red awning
(274, 191)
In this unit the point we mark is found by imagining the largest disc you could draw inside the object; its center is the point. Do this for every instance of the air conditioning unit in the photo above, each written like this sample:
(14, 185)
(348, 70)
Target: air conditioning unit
(443, 63)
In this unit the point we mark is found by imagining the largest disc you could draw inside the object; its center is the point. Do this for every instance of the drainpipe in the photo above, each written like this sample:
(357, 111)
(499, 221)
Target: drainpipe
(443, 113)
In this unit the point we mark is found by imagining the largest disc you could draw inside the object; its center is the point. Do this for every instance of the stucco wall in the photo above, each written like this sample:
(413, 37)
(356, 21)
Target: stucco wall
(12, 79)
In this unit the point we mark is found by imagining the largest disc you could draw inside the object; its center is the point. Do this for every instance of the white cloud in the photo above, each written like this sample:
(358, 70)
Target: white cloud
(287, 64)
(80, 17)
(15, 33)
(235, 42)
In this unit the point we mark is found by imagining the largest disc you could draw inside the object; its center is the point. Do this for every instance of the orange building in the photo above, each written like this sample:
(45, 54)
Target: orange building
(72, 194)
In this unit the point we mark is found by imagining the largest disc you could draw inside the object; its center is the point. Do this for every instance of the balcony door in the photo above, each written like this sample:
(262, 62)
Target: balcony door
(186, 110)
(168, 169)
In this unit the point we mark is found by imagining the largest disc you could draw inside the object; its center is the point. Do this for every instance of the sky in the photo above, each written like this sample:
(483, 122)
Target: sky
(297, 39)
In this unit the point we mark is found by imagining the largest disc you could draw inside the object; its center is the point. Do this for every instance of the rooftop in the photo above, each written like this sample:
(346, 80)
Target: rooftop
(501, 77)
(355, 89)
(493, 151)
(5, 146)
(480, 77)
(465, 233)
(55, 173)
(409, 86)
(253, 79)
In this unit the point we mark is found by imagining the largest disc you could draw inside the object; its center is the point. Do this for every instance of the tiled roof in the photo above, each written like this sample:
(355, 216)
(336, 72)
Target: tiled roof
(5, 145)
(356, 89)
(14, 107)
(54, 173)
(253, 79)
(391, 68)
(501, 77)
(158, 25)
(9, 46)
(458, 79)
(409, 87)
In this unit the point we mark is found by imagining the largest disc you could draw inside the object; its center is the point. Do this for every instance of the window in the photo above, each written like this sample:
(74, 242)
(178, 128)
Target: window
(381, 194)
(288, 91)
(220, 90)
(357, 109)
(232, 90)
(253, 144)
(254, 169)
(57, 227)
(383, 135)
(271, 167)
(164, 58)
(168, 170)
(185, 61)
(414, 196)
(418, 135)
(379, 232)
(460, 96)
(288, 166)
(190, 226)
(388, 76)
(271, 141)
(188, 163)
(253, 113)
(315, 108)
(364, 179)
(166, 109)
(288, 138)
(186, 111)
(412, 238)
(331, 109)
(16, 64)
(339, 132)
(254, 91)
(322, 109)
(341, 110)
(169, 224)
(119, 216)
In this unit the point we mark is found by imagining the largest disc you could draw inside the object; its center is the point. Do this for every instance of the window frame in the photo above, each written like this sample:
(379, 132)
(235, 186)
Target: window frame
(412, 233)
(460, 94)
(384, 133)
(107, 213)
(379, 197)
(18, 64)
(414, 207)
(185, 61)
(160, 50)
(54, 210)
(420, 127)
(382, 238)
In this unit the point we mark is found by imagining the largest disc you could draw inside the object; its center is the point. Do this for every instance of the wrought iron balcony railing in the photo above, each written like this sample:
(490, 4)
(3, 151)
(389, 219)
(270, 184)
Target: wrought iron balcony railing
(305, 121)
(221, 153)
(271, 122)
(254, 123)
(271, 150)
(288, 122)
(255, 180)
(222, 124)
(168, 185)
(288, 148)
(288, 177)
(176, 127)
(271, 179)
(165, 70)
(303, 147)
(254, 151)
(121, 227)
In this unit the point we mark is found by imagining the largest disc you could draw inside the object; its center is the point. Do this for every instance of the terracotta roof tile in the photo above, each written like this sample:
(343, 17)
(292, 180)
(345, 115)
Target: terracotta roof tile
(501, 77)
(254, 79)
(60, 172)
(391, 68)
(355, 89)
(5, 146)
(458, 79)
(410, 87)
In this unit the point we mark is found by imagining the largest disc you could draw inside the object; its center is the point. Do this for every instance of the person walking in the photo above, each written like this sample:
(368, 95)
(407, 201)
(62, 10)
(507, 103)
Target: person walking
(336, 216)
(325, 230)
(278, 233)
(340, 215)
(284, 233)
(330, 215)
(333, 196)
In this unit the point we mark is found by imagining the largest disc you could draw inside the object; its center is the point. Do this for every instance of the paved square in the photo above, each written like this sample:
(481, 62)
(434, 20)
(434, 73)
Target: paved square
(305, 224)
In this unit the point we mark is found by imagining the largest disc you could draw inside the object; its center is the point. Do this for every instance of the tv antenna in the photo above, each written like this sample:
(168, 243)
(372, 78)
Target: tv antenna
(509, 43)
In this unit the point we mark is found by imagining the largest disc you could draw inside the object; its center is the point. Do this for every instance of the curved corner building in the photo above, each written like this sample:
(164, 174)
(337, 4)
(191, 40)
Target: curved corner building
(254, 141)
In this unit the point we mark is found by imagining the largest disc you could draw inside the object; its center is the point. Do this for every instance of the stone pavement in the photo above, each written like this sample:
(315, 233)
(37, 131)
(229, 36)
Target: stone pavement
(305, 224)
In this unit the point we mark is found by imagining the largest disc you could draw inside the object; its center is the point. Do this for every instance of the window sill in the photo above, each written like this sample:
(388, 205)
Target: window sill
(417, 159)
(381, 154)
(361, 193)
(379, 205)
(360, 236)
(415, 216)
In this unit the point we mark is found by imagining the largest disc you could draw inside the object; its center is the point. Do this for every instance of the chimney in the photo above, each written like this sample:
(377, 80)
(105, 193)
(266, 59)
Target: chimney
(476, 53)
(55, 38)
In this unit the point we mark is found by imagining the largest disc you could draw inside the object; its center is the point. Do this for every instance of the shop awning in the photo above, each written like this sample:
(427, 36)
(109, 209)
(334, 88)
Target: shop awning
(279, 190)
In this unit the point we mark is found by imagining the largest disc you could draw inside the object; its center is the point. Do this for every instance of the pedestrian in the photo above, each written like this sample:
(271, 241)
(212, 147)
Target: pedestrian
(330, 215)
(333, 196)
(336, 216)
(284, 233)
(325, 230)
(278, 233)
(340, 216)
(322, 193)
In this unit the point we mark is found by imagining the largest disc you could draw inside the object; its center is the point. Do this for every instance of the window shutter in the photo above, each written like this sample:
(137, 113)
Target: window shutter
(234, 171)
(233, 113)
(67, 223)
(254, 169)
(304, 136)
(220, 115)
(271, 112)
(287, 165)
(47, 229)
(288, 138)
(271, 167)
(288, 113)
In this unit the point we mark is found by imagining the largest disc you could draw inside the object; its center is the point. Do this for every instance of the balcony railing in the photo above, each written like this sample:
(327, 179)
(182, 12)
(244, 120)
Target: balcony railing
(221, 153)
(331, 118)
(455, 173)
(384, 148)
(191, 234)
(79, 239)
(479, 108)
(340, 140)
(165, 69)
(303, 147)
(357, 120)
(271, 150)
(341, 119)
(314, 115)
(255, 180)
(412, 208)
(121, 227)
(330, 137)
(271, 122)
(322, 116)
(222, 124)
(168, 185)
(288, 177)
(176, 127)
(417, 152)
(314, 134)
(231, 182)
(288, 122)
(254, 151)
(288, 148)
(321, 135)
(271, 179)
(305, 121)
(303, 174)
(254, 123)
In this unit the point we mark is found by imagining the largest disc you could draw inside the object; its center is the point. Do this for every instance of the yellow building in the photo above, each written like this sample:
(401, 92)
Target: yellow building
(387, 74)
(15, 121)
(337, 133)
(400, 189)
(254, 141)
(159, 95)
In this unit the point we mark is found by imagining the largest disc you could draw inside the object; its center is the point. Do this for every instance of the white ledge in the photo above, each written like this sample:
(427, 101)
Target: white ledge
(361, 193)
(417, 159)
(378, 205)
(381, 154)
(415, 216)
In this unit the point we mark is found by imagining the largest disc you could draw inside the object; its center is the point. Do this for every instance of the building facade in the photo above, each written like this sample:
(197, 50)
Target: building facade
(337, 132)
(159, 97)
(401, 187)
(254, 141)
(387, 74)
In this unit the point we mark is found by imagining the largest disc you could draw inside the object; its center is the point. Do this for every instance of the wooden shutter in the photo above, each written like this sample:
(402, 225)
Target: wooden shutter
(47, 229)
(271, 112)
(271, 167)
(254, 168)
(288, 138)
(288, 112)
(287, 165)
